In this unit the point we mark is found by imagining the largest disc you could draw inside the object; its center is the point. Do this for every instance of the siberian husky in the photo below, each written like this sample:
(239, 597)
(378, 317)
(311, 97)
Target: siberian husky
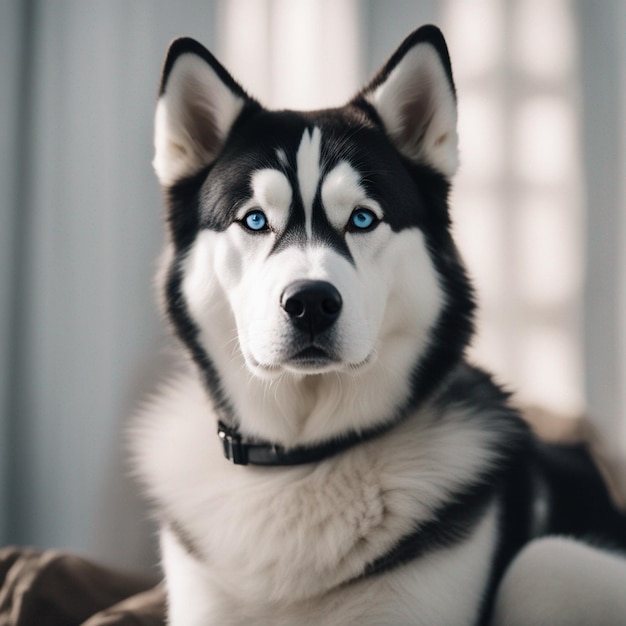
(328, 456)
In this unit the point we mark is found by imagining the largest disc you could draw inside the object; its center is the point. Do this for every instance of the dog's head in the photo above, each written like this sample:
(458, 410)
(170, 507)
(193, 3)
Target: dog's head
(314, 243)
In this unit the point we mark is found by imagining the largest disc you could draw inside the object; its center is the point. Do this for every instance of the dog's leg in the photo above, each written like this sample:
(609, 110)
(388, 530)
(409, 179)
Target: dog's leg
(562, 582)
(188, 590)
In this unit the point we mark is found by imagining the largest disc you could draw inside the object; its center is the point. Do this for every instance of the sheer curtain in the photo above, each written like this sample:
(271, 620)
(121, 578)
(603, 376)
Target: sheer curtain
(540, 201)
(603, 73)
(539, 208)
(81, 228)
(518, 197)
(10, 157)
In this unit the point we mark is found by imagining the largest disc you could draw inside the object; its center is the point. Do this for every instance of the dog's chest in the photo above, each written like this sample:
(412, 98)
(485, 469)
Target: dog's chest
(444, 587)
(284, 535)
(292, 535)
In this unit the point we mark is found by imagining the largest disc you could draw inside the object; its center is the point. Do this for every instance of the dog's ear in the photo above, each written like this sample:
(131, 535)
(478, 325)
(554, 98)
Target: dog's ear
(414, 97)
(198, 103)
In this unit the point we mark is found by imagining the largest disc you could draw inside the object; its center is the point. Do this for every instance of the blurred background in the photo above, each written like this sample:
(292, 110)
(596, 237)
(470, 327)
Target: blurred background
(539, 209)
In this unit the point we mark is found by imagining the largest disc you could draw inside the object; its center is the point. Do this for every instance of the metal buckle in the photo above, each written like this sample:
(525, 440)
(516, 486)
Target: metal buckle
(234, 449)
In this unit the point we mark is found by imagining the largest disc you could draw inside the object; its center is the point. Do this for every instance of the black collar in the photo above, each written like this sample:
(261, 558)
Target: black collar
(256, 452)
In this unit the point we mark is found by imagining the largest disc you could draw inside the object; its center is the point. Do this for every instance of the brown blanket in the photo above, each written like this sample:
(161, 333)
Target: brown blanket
(50, 588)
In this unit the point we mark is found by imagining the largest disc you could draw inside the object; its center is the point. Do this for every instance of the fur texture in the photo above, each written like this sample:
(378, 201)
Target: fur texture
(312, 278)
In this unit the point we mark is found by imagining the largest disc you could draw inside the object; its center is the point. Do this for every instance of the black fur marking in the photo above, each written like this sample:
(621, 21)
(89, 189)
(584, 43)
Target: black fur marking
(186, 45)
(184, 538)
(451, 524)
(326, 234)
(474, 390)
(580, 504)
(428, 34)
(183, 216)
(401, 188)
(455, 326)
(348, 135)
(184, 221)
(294, 233)
(188, 333)
(505, 484)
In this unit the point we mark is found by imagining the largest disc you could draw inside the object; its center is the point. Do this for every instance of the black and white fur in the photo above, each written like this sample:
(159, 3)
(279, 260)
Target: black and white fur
(414, 525)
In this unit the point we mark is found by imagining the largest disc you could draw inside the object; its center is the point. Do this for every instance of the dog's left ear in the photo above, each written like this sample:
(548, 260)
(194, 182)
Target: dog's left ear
(415, 99)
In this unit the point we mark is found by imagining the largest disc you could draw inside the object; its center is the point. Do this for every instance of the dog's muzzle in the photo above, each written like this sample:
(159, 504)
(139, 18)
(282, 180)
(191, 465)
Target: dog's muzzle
(313, 306)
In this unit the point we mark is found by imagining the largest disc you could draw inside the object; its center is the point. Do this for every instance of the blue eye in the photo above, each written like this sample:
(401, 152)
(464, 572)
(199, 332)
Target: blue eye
(362, 219)
(255, 220)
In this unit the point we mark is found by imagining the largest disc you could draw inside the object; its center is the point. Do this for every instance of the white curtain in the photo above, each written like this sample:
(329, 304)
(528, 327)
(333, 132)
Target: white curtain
(81, 228)
(80, 221)
(603, 71)
(10, 157)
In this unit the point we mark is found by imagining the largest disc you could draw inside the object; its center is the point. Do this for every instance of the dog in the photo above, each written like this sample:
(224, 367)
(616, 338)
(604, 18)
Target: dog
(327, 455)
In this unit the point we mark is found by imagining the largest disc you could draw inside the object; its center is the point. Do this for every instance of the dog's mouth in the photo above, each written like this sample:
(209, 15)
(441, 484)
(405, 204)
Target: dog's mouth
(311, 358)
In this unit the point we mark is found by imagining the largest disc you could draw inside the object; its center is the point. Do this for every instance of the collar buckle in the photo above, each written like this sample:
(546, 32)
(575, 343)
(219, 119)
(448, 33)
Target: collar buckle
(234, 448)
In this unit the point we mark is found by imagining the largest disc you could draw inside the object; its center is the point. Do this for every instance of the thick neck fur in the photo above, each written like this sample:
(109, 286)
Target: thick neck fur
(382, 488)
(292, 410)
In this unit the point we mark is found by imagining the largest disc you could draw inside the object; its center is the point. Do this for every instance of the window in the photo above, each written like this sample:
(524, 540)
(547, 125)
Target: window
(517, 200)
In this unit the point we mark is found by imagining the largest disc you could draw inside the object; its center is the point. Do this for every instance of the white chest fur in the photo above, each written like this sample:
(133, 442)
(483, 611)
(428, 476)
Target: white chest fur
(276, 544)
(444, 587)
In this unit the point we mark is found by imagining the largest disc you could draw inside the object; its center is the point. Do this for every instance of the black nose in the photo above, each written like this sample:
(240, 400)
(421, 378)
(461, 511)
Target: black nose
(312, 305)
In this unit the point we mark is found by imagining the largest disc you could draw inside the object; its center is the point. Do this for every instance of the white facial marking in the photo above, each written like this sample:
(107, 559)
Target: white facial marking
(199, 281)
(308, 164)
(342, 193)
(272, 193)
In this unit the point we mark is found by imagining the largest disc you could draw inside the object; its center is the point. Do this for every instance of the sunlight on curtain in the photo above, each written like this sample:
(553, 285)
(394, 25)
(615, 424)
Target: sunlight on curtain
(300, 55)
(517, 201)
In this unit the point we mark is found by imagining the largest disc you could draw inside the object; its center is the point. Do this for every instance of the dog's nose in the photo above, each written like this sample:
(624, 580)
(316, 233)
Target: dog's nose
(312, 305)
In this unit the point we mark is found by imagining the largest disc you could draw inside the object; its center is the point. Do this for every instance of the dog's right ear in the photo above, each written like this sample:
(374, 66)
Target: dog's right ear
(199, 102)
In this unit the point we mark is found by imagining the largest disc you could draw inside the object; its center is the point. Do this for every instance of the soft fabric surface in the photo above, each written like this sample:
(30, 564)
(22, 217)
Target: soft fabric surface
(50, 588)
